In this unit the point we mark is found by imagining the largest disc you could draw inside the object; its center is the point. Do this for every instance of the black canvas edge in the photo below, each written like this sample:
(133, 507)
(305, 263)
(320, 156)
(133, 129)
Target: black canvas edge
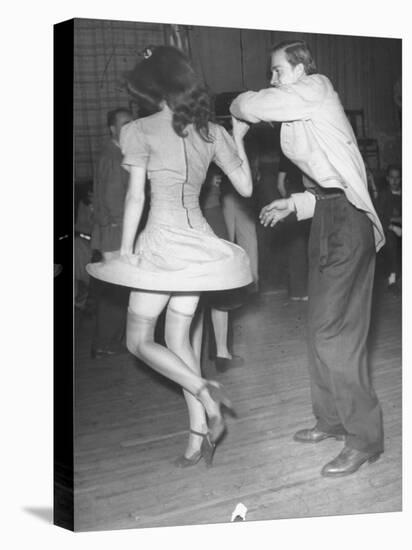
(63, 306)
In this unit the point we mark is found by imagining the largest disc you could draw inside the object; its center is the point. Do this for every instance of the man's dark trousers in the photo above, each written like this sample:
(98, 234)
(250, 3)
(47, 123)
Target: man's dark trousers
(393, 253)
(296, 238)
(341, 272)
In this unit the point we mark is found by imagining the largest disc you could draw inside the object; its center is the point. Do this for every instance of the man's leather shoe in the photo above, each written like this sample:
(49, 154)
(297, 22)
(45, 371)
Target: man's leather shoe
(314, 435)
(348, 462)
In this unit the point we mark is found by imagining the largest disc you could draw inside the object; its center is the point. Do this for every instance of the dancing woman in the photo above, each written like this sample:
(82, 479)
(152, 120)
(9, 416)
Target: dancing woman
(177, 255)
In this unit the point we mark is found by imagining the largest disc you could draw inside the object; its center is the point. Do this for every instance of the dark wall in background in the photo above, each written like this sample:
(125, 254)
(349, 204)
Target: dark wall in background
(363, 70)
(103, 52)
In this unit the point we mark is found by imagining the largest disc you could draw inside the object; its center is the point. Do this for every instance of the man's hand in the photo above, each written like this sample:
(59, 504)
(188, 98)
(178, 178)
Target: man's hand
(276, 211)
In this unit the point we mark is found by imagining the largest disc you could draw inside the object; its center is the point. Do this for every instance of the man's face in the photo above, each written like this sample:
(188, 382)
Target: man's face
(121, 120)
(394, 180)
(282, 71)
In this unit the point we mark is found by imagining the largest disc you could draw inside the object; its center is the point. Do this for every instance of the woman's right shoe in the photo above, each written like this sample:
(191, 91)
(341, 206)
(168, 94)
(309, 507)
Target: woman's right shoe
(207, 450)
(217, 426)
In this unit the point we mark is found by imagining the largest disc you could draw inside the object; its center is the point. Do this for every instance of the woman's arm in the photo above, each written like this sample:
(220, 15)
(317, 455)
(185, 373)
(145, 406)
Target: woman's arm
(241, 177)
(133, 208)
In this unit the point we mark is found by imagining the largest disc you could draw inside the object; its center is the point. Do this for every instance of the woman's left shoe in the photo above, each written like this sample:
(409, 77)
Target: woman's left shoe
(207, 450)
(217, 426)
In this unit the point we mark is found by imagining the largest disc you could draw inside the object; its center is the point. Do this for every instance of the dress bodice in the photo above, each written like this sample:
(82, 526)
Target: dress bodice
(176, 166)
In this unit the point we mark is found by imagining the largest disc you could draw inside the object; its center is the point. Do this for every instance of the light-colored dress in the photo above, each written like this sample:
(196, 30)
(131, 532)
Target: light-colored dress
(177, 250)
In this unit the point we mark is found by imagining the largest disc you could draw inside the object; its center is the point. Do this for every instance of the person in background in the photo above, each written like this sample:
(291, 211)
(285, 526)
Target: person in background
(373, 190)
(296, 234)
(345, 231)
(110, 187)
(215, 302)
(240, 220)
(82, 246)
(390, 208)
(397, 97)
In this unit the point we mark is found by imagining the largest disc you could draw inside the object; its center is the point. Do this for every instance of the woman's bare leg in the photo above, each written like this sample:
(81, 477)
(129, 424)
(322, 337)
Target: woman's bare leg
(179, 318)
(144, 310)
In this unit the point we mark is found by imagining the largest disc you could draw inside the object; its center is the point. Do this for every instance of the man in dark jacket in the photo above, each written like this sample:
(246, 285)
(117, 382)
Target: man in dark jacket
(110, 186)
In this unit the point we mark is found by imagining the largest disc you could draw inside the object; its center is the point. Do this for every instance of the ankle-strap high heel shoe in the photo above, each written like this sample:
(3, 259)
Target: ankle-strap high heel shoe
(217, 426)
(207, 450)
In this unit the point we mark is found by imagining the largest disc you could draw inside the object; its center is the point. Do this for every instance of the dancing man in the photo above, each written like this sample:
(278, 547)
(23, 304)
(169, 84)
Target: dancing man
(345, 232)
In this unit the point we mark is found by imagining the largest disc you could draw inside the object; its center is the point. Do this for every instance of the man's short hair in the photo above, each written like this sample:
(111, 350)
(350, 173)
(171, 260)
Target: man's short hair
(112, 115)
(297, 51)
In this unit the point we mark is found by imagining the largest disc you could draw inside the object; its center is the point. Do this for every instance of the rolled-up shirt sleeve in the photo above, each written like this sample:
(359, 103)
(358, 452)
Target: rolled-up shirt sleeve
(304, 205)
(133, 145)
(225, 154)
(287, 103)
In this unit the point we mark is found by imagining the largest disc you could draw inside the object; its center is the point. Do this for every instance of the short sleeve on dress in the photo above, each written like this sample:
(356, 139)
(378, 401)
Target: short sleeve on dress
(133, 145)
(225, 155)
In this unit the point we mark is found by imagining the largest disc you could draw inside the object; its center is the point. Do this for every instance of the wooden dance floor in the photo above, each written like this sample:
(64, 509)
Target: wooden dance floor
(131, 424)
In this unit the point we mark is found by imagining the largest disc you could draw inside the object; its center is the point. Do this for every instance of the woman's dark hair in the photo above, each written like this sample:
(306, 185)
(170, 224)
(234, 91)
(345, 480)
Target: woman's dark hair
(297, 51)
(168, 76)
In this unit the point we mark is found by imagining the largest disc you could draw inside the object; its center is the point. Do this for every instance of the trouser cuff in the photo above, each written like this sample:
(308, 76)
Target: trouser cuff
(365, 446)
(336, 429)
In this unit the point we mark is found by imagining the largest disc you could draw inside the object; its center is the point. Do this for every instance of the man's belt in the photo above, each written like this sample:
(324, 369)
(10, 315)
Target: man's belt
(322, 193)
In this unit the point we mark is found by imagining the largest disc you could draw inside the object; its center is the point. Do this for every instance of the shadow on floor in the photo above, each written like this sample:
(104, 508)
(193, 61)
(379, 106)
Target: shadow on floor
(43, 513)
